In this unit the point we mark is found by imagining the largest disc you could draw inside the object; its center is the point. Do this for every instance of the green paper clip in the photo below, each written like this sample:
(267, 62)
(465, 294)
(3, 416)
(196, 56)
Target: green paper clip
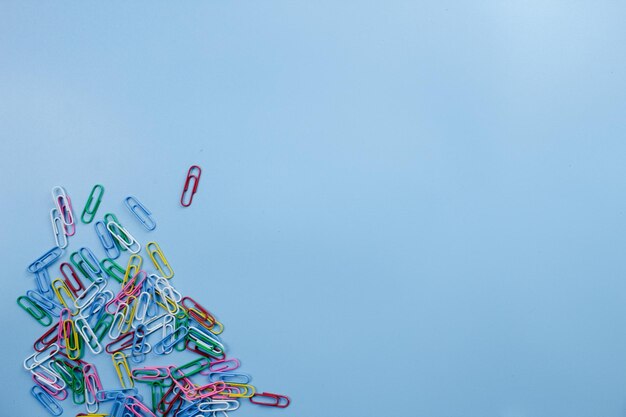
(89, 210)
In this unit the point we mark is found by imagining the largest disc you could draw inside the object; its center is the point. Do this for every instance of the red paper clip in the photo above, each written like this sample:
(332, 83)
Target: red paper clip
(47, 339)
(195, 175)
(280, 401)
(75, 289)
(125, 341)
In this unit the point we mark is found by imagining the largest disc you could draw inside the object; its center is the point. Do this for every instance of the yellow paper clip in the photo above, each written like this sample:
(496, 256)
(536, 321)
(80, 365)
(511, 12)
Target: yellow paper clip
(129, 313)
(245, 390)
(123, 370)
(134, 265)
(70, 335)
(58, 286)
(153, 248)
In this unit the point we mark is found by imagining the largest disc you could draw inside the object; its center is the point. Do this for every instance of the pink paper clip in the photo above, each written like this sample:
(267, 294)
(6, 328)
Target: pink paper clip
(222, 365)
(51, 387)
(138, 408)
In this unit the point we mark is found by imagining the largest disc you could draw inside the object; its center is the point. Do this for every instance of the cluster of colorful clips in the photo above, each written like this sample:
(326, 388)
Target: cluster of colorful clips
(144, 316)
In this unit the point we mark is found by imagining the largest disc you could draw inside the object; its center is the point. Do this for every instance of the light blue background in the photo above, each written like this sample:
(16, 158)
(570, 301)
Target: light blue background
(408, 208)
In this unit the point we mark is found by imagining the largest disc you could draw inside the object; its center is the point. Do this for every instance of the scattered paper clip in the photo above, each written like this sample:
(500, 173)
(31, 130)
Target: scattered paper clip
(141, 212)
(106, 239)
(63, 203)
(123, 237)
(46, 260)
(91, 207)
(60, 238)
(144, 316)
(193, 173)
(161, 263)
(45, 399)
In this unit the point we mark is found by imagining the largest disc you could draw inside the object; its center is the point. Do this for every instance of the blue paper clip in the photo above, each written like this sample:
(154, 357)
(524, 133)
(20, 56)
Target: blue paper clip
(47, 400)
(229, 377)
(189, 411)
(46, 260)
(42, 279)
(141, 212)
(166, 344)
(50, 306)
(139, 347)
(106, 238)
(115, 394)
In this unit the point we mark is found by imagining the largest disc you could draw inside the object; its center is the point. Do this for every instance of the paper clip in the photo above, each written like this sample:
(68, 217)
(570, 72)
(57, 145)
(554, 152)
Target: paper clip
(229, 377)
(141, 212)
(153, 249)
(280, 401)
(70, 338)
(143, 303)
(113, 269)
(64, 205)
(201, 315)
(78, 394)
(150, 374)
(110, 217)
(50, 306)
(123, 370)
(157, 323)
(223, 365)
(171, 400)
(167, 343)
(90, 293)
(243, 390)
(42, 280)
(34, 310)
(58, 228)
(117, 326)
(75, 289)
(79, 264)
(88, 335)
(208, 390)
(55, 387)
(67, 298)
(102, 326)
(89, 210)
(157, 390)
(108, 243)
(139, 347)
(132, 268)
(123, 237)
(45, 260)
(92, 385)
(38, 358)
(191, 368)
(203, 344)
(138, 408)
(90, 263)
(190, 410)
(48, 338)
(122, 342)
(214, 406)
(195, 175)
(109, 395)
(47, 401)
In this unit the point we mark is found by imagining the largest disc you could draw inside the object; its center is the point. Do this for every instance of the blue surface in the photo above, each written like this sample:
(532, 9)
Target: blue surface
(408, 208)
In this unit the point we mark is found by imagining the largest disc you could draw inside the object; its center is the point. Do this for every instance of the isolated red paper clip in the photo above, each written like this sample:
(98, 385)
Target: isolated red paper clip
(193, 173)
(280, 401)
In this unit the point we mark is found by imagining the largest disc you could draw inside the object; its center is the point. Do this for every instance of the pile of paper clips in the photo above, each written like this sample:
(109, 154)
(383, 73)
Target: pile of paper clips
(82, 311)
